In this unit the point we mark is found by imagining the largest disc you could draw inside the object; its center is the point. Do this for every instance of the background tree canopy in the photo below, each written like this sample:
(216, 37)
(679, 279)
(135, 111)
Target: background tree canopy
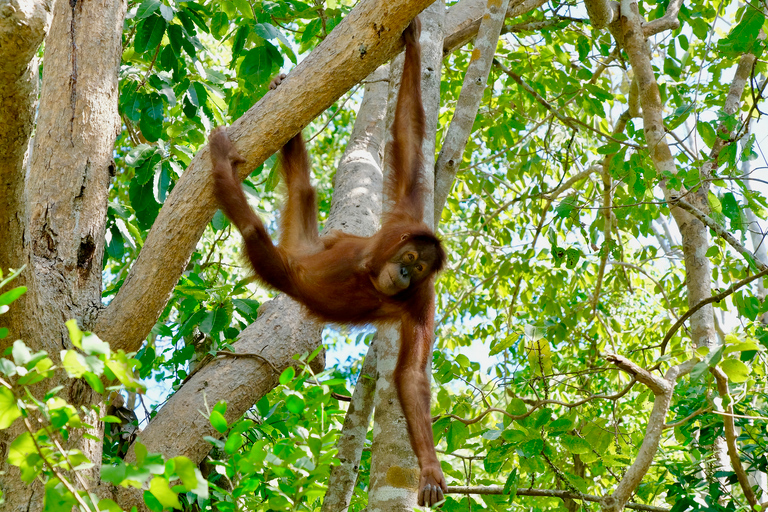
(598, 182)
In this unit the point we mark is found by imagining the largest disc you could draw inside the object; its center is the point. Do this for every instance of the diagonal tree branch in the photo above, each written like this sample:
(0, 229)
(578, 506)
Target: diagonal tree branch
(721, 232)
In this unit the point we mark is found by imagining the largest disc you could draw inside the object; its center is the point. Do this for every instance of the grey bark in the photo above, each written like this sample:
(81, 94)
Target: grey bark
(463, 19)
(66, 204)
(359, 175)
(23, 25)
(698, 277)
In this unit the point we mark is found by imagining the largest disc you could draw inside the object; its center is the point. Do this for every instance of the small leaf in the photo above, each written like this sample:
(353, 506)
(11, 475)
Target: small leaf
(294, 404)
(11, 295)
(707, 133)
(287, 375)
(218, 422)
(146, 8)
(9, 411)
(21, 354)
(149, 33)
(160, 489)
(575, 444)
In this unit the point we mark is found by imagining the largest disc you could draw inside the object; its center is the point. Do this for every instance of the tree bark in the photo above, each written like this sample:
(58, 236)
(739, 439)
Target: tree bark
(341, 483)
(66, 205)
(475, 81)
(23, 25)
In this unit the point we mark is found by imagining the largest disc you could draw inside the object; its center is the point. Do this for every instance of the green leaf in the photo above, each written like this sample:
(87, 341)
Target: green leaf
(566, 207)
(23, 454)
(743, 38)
(707, 133)
(9, 411)
(219, 25)
(185, 469)
(197, 94)
(572, 256)
(287, 375)
(74, 363)
(731, 207)
(218, 422)
(256, 66)
(75, 334)
(107, 505)
(146, 8)
(149, 33)
(609, 149)
(234, 443)
(160, 489)
(93, 345)
(265, 30)
(575, 444)
(457, 435)
(294, 404)
(12, 294)
(736, 370)
(151, 123)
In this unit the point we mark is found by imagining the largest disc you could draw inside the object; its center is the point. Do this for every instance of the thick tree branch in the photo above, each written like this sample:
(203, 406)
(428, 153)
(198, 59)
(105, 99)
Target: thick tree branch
(367, 37)
(23, 25)
(662, 389)
(657, 384)
(463, 20)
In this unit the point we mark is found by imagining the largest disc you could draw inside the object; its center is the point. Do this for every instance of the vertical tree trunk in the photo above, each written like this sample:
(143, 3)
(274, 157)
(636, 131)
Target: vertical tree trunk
(22, 30)
(66, 201)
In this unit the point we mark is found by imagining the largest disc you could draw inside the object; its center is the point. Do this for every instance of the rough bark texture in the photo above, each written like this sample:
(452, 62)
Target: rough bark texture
(694, 233)
(356, 209)
(66, 202)
(23, 25)
(356, 205)
(432, 37)
(350, 445)
(394, 468)
(600, 12)
(662, 388)
(368, 36)
(475, 80)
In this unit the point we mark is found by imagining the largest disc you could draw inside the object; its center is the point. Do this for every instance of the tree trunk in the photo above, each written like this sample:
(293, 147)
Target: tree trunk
(66, 205)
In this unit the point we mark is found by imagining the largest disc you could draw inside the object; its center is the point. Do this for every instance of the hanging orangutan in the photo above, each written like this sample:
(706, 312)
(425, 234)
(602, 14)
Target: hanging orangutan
(386, 278)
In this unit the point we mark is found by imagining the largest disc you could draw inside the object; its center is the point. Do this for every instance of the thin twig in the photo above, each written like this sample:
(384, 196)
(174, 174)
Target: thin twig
(715, 298)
